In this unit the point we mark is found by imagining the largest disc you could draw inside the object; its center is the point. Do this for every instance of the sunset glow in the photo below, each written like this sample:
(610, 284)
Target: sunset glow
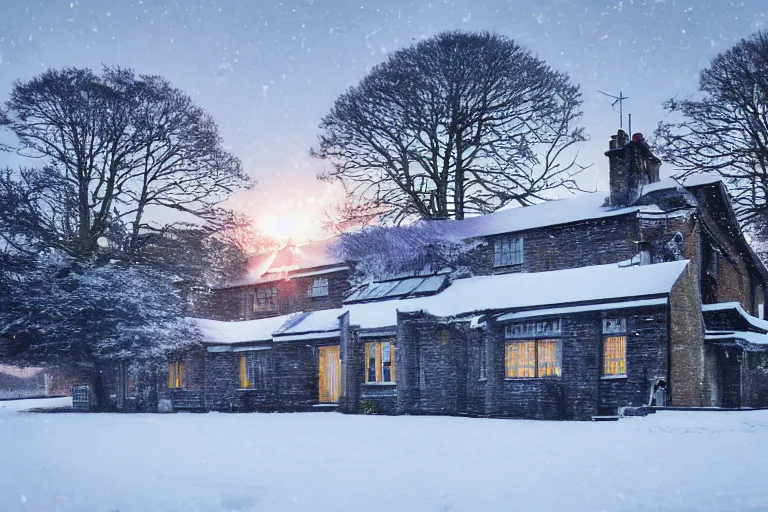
(292, 213)
(299, 226)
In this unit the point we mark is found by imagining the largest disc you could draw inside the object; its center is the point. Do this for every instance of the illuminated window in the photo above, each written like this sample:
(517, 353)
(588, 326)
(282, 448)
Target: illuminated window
(244, 382)
(548, 358)
(176, 376)
(614, 347)
(319, 288)
(253, 369)
(379, 362)
(540, 356)
(521, 359)
(265, 299)
(508, 251)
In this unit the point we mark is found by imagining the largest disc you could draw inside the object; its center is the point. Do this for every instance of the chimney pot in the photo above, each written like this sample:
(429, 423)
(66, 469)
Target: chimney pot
(621, 138)
(638, 137)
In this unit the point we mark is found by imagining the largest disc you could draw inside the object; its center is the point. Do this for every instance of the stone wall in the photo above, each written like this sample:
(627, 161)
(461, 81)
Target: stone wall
(440, 375)
(432, 366)
(581, 392)
(755, 375)
(688, 384)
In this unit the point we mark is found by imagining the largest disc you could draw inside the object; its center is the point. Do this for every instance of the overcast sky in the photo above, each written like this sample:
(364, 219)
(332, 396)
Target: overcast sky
(268, 71)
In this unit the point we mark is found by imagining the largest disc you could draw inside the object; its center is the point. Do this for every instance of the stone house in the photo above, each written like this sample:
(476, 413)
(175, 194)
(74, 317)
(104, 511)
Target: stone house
(571, 309)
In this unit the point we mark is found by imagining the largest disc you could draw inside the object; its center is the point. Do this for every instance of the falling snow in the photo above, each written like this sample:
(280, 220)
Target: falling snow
(650, 49)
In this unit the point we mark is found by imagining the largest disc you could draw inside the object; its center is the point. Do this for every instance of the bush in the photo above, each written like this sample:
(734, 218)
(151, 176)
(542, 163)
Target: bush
(368, 407)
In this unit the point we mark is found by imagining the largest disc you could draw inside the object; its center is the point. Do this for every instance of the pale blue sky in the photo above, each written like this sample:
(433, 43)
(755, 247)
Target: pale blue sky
(269, 71)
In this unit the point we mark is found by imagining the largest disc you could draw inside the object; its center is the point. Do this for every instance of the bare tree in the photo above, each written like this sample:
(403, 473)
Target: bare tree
(460, 123)
(724, 129)
(113, 146)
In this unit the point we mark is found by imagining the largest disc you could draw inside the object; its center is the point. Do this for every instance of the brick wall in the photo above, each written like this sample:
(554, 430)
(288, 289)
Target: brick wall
(383, 397)
(687, 386)
(477, 342)
(595, 242)
(237, 303)
(222, 383)
(444, 378)
(736, 281)
(433, 364)
(647, 358)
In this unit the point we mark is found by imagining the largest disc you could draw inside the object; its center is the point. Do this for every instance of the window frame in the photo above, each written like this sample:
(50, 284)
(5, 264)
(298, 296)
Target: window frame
(374, 355)
(614, 330)
(176, 375)
(323, 286)
(252, 369)
(524, 340)
(508, 250)
(267, 303)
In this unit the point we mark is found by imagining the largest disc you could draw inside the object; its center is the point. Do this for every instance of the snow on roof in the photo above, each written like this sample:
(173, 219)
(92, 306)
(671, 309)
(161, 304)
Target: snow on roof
(588, 206)
(256, 266)
(309, 255)
(581, 309)
(752, 320)
(754, 338)
(509, 291)
(273, 266)
(216, 331)
(527, 290)
(602, 283)
(696, 180)
(316, 321)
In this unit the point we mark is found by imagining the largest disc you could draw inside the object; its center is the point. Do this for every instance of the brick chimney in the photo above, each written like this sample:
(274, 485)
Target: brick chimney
(632, 166)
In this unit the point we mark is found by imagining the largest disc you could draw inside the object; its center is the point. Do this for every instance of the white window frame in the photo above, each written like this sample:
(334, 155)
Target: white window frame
(319, 288)
(508, 250)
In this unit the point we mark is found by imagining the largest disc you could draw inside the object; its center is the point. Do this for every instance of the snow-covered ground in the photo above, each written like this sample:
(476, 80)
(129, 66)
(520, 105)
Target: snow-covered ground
(671, 461)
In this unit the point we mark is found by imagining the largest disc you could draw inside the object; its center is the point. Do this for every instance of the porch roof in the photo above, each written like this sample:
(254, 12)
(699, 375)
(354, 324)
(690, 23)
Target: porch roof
(746, 339)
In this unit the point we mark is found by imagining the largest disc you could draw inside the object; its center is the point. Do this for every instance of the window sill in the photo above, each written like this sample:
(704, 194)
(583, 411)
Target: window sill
(482, 379)
(318, 296)
(246, 389)
(382, 384)
(530, 379)
(510, 266)
(613, 377)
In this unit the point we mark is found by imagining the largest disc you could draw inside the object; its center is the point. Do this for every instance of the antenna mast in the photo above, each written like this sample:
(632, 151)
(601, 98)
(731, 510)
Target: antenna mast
(620, 100)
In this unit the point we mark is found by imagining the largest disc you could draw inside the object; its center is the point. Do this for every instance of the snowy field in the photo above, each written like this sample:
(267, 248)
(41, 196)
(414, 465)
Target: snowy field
(672, 461)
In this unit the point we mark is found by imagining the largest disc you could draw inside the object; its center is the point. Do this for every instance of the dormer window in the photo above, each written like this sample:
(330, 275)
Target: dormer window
(319, 288)
(508, 250)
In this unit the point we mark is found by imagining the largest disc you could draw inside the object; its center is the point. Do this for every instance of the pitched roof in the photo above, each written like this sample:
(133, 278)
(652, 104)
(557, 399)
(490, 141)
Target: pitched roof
(518, 291)
(696, 180)
(273, 266)
(587, 206)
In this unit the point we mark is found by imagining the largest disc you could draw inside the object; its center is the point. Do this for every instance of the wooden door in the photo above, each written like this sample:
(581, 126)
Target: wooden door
(330, 374)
